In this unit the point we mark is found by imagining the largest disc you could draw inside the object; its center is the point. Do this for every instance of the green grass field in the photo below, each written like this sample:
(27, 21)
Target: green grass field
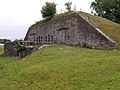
(61, 67)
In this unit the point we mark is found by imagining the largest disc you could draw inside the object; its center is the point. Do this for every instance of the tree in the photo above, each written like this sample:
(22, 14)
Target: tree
(48, 10)
(19, 47)
(68, 5)
(109, 9)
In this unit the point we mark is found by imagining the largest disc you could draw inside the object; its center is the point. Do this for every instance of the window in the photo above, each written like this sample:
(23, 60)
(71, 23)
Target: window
(51, 38)
(41, 39)
(48, 38)
(68, 37)
(37, 39)
(45, 38)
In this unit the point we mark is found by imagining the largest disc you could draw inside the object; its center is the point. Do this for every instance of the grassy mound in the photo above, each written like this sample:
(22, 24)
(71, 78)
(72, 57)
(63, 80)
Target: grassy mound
(61, 67)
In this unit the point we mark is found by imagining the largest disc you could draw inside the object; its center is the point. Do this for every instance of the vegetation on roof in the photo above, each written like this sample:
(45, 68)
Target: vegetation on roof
(54, 17)
(63, 14)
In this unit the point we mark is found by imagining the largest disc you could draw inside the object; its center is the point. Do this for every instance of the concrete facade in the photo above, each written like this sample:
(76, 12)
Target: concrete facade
(73, 30)
(9, 50)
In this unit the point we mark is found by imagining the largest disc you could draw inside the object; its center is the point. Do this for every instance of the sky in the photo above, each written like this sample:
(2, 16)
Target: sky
(16, 16)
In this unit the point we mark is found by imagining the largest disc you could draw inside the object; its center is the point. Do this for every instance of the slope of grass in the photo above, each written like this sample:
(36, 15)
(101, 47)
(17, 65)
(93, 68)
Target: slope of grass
(110, 28)
(61, 67)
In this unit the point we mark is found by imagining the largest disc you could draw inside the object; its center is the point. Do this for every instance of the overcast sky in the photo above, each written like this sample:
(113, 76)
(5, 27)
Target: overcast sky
(16, 16)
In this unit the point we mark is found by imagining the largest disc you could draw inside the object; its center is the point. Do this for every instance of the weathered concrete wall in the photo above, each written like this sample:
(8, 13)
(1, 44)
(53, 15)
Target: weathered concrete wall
(72, 29)
(90, 36)
(9, 50)
(61, 30)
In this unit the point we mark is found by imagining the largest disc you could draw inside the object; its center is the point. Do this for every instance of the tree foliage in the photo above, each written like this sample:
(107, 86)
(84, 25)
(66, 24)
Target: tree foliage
(19, 47)
(109, 9)
(48, 10)
(3, 41)
(68, 5)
